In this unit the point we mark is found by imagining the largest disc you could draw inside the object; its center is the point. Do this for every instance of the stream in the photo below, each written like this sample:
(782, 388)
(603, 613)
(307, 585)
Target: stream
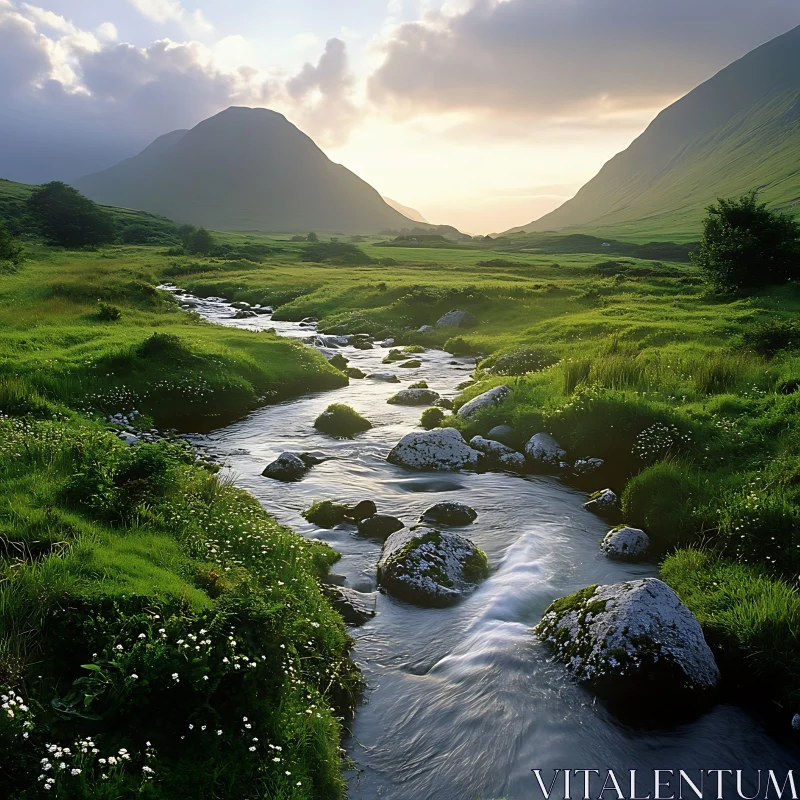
(463, 702)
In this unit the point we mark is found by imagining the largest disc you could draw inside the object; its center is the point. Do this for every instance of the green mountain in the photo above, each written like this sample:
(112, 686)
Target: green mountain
(738, 131)
(244, 169)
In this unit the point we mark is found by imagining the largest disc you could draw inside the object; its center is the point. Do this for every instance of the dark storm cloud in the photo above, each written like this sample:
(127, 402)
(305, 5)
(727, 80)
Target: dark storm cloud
(548, 57)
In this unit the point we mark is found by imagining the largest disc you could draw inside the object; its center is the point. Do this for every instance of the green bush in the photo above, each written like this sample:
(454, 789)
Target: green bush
(335, 252)
(745, 245)
(432, 418)
(341, 421)
(771, 337)
(108, 313)
(662, 500)
(750, 619)
(65, 217)
(11, 252)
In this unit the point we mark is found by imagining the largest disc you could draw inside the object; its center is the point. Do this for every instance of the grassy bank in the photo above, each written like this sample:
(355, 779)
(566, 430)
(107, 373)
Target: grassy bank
(156, 617)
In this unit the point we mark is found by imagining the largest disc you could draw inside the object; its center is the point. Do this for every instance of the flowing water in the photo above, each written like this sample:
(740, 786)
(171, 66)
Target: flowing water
(463, 702)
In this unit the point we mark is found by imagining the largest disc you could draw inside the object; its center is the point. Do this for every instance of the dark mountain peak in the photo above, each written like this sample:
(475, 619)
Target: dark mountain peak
(244, 169)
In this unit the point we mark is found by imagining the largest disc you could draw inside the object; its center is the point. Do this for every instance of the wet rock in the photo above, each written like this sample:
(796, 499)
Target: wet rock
(244, 314)
(586, 466)
(457, 319)
(241, 305)
(362, 344)
(379, 526)
(330, 341)
(338, 360)
(542, 448)
(450, 512)
(441, 449)
(313, 458)
(426, 329)
(394, 356)
(602, 502)
(499, 454)
(355, 607)
(286, 467)
(502, 433)
(633, 639)
(127, 437)
(430, 567)
(386, 377)
(387, 342)
(362, 510)
(354, 372)
(796, 722)
(443, 402)
(483, 401)
(326, 514)
(341, 421)
(413, 397)
(309, 321)
(413, 364)
(626, 544)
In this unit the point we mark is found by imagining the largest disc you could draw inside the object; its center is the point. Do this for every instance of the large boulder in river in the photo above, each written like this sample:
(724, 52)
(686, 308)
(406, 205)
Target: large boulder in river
(414, 397)
(450, 512)
(543, 449)
(626, 544)
(602, 502)
(634, 639)
(341, 421)
(498, 454)
(286, 467)
(457, 319)
(441, 449)
(483, 401)
(385, 377)
(430, 567)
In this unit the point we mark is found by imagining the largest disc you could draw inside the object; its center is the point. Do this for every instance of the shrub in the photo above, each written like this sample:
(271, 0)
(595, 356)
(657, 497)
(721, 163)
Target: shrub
(662, 500)
(200, 242)
(108, 313)
(341, 421)
(744, 245)
(432, 418)
(771, 337)
(519, 361)
(65, 217)
(751, 619)
(164, 345)
(11, 252)
(336, 252)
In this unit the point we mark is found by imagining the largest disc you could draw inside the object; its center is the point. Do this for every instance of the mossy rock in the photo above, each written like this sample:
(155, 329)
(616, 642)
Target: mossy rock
(414, 349)
(394, 356)
(326, 514)
(354, 372)
(338, 361)
(341, 421)
(414, 364)
(418, 385)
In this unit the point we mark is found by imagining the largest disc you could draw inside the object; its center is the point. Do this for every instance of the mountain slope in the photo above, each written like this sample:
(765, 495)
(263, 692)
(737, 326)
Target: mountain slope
(406, 211)
(735, 132)
(244, 169)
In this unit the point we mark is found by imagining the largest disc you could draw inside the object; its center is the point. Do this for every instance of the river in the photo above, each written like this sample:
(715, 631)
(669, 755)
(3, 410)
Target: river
(463, 702)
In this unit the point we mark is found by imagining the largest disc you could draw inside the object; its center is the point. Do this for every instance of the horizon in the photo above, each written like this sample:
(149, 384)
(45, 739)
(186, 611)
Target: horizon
(391, 94)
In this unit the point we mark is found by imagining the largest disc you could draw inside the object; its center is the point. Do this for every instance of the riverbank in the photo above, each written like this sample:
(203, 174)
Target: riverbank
(160, 634)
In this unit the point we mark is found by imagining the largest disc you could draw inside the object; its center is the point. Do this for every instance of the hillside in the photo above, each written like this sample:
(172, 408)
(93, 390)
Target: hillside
(406, 211)
(735, 132)
(244, 169)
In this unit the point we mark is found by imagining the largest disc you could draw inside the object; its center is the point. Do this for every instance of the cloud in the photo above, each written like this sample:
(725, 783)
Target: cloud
(161, 11)
(539, 58)
(323, 94)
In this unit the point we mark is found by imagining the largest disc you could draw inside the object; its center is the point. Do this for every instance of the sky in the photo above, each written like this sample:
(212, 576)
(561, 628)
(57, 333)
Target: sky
(483, 114)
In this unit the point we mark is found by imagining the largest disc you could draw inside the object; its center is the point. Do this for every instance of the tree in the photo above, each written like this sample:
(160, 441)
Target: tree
(64, 216)
(10, 249)
(200, 242)
(312, 237)
(745, 245)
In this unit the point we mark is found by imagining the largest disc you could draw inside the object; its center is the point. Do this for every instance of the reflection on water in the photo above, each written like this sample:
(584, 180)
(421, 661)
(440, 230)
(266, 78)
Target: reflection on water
(463, 702)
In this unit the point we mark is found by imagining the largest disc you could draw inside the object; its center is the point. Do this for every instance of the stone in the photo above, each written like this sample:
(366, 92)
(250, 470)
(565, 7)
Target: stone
(426, 329)
(502, 433)
(354, 372)
(244, 314)
(127, 437)
(796, 722)
(355, 607)
(286, 467)
(634, 639)
(362, 510)
(586, 466)
(241, 305)
(483, 401)
(450, 512)
(414, 397)
(602, 502)
(542, 448)
(379, 526)
(499, 454)
(413, 364)
(362, 344)
(457, 319)
(440, 449)
(443, 402)
(429, 567)
(625, 544)
(386, 377)
(338, 360)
